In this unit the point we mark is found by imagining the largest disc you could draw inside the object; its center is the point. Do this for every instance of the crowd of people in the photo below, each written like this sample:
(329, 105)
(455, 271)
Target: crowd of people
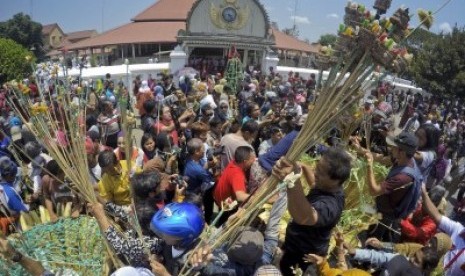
(205, 147)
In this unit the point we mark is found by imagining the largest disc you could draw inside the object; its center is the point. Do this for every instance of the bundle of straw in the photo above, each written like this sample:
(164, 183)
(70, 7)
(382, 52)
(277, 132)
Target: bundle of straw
(60, 129)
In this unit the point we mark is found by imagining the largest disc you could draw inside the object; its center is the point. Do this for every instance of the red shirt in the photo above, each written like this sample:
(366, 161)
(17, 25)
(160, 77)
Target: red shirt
(174, 133)
(231, 181)
(418, 228)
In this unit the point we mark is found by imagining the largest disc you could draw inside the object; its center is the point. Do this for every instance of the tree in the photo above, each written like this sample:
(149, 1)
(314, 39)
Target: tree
(415, 41)
(439, 65)
(327, 39)
(14, 63)
(24, 31)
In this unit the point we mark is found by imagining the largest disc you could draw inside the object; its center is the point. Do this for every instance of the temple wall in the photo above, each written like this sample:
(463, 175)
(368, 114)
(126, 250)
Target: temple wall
(209, 18)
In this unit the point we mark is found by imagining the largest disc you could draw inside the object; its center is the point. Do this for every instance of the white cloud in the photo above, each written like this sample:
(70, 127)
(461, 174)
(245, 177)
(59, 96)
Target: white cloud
(300, 19)
(445, 28)
(289, 9)
(332, 15)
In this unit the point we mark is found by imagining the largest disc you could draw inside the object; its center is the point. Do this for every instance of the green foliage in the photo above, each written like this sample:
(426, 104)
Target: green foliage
(13, 63)
(233, 74)
(24, 31)
(416, 40)
(327, 39)
(439, 64)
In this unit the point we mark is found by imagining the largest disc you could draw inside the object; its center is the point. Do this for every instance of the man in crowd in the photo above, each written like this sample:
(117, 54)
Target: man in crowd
(244, 137)
(397, 196)
(11, 203)
(232, 183)
(313, 215)
(199, 179)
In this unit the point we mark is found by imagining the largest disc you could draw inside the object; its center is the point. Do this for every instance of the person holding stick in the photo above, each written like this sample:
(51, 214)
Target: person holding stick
(313, 215)
(398, 194)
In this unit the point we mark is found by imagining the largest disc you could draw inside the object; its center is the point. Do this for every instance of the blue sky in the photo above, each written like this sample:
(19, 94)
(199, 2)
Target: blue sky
(313, 17)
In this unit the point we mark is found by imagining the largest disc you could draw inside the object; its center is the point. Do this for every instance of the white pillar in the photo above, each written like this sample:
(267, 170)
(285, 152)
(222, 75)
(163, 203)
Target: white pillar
(178, 60)
(271, 60)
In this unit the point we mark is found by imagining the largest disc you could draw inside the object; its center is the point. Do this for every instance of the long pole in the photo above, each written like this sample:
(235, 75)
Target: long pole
(294, 27)
(103, 15)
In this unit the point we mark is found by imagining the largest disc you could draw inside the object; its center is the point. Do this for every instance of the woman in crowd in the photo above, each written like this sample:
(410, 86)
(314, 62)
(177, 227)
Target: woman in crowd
(137, 155)
(166, 124)
(148, 145)
(428, 140)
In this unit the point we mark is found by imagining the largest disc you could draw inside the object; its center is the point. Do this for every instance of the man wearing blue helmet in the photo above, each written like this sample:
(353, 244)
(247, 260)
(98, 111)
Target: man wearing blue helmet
(169, 234)
(179, 225)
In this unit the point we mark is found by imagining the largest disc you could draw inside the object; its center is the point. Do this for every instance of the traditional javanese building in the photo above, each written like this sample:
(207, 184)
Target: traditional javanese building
(204, 29)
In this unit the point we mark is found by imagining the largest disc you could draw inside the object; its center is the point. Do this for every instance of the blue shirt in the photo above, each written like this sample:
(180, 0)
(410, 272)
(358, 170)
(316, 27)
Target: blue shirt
(12, 200)
(268, 159)
(4, 147)
(198, 178)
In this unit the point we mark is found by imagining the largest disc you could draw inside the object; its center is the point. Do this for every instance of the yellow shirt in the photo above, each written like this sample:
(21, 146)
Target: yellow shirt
(326, 270)
(115, 188)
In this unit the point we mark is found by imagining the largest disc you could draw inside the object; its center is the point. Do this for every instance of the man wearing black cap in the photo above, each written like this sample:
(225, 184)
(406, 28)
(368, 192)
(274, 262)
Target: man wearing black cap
(398, 194)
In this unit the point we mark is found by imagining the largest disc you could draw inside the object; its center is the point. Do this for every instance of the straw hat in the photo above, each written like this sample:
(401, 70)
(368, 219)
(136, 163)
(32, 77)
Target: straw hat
(443, 244)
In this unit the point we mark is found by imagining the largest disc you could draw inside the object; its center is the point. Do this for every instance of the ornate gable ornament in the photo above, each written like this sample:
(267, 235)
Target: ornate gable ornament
(229, 15)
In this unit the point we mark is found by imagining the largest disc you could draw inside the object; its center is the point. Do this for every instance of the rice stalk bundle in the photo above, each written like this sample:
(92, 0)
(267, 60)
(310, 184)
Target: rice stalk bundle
(57, 119)
(67, 247)
(61, 130)
(349, 121)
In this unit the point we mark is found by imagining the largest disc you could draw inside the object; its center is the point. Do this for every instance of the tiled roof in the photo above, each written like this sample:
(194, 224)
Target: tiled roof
(80, 35)
(161, 22)
(288, 42)
(166, 10)
(136, 32)
(47, 29)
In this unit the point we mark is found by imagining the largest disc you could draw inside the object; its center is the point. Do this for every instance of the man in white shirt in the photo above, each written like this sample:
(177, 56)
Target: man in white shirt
(455, 257)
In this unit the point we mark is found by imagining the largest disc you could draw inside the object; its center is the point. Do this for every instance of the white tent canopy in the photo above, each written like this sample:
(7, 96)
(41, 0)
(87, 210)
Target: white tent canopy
(121, 72)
